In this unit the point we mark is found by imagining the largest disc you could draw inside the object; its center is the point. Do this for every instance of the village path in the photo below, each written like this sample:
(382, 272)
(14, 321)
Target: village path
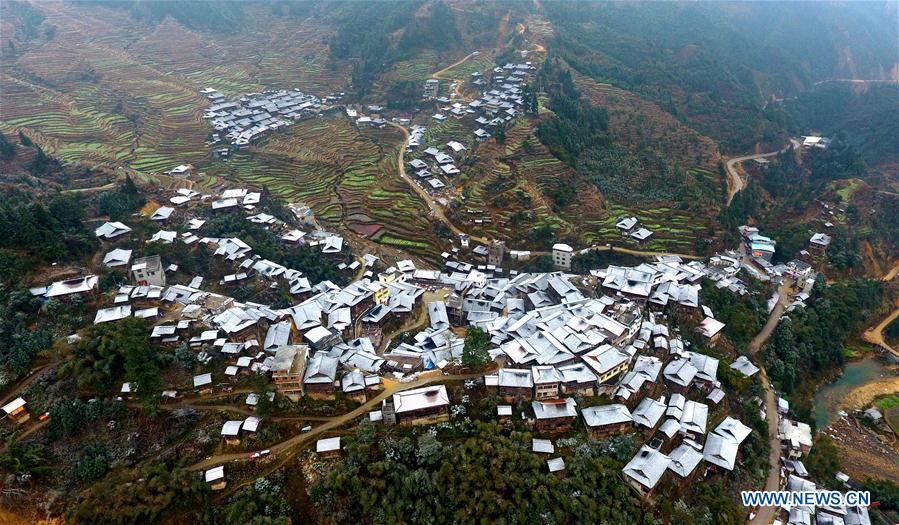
(23, 383)
(766, 515)
(440, 73)
(734, 182)
(436, 208)
(286, 449)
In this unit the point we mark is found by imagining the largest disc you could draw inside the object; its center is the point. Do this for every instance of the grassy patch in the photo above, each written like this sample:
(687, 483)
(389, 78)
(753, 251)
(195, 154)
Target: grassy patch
(888, 402)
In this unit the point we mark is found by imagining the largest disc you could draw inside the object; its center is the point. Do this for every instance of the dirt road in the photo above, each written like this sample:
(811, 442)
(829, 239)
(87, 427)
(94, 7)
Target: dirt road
(440, 73)
(891, 274)
(16, 389)
(875, 335)
(773, 317)
(436, 208)
(285, 449)
(766, 515)
(734, 181)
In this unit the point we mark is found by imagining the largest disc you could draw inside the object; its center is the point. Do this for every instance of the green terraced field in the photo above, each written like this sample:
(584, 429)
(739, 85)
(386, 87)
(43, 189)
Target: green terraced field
(348, 176)
(482, 63)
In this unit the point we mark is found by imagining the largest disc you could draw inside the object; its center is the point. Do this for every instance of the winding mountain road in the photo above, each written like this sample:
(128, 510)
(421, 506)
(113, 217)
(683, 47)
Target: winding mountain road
(874, 335)
(735, 182)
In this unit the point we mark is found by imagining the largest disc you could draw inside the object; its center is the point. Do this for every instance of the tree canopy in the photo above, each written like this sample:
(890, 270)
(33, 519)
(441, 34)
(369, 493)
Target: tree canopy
(474, 353)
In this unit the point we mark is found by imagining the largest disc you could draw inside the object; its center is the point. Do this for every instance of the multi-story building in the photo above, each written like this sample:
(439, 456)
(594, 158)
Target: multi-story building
(562, 256)
(288, 369)
(148, 271)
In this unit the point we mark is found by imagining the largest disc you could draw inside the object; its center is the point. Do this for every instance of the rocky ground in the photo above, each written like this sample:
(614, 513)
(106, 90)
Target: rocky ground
(864, 452)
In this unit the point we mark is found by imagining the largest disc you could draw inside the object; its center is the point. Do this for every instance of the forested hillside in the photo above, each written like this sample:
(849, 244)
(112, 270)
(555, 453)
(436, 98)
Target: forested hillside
(866, 116)
(714, 65)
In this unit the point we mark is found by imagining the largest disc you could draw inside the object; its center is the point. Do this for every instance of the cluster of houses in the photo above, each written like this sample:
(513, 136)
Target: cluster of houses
(495, 107)
(630, 228)
(499, 103)
(257, 114)
(556, 337)
(552, 340)
(758, 249)
(437, 162)
(815, 142)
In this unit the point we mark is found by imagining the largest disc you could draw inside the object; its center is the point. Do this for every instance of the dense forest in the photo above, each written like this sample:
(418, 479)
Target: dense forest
(51, 232)
(810, 342)
(488, 476)
(713, 65)
(364, 34)
(866, 118)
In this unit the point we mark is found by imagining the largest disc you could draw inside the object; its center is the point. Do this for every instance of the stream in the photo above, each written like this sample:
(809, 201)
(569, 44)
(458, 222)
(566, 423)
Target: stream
(855, 374)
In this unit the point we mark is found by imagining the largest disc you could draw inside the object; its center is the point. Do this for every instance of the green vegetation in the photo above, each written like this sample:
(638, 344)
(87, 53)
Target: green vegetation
(884, 491)
(25, 459)
(141, 496)
(259, 504)
(743, 315)
(622, 169)
(810, 342)
(891, 332)
(69, 417)
(866, 119)
(94, 463)
(823, 462)
(7, 148)
(110, 351)
(121, 203)
(307, 259)
(712, 65)
(214, 15)
(474, 353)
(888, 402)
(576, 123)
(385, 479)
(54, 232)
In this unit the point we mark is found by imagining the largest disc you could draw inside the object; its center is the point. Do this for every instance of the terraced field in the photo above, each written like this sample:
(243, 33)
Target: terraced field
(348, 177)
(673, 230)
(483, 63)
(127, 94)
(418, 68)
(639, 124)
(513, 184)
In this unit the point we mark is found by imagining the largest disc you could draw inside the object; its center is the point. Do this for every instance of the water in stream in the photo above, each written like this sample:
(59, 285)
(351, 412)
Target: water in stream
(855, 374)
